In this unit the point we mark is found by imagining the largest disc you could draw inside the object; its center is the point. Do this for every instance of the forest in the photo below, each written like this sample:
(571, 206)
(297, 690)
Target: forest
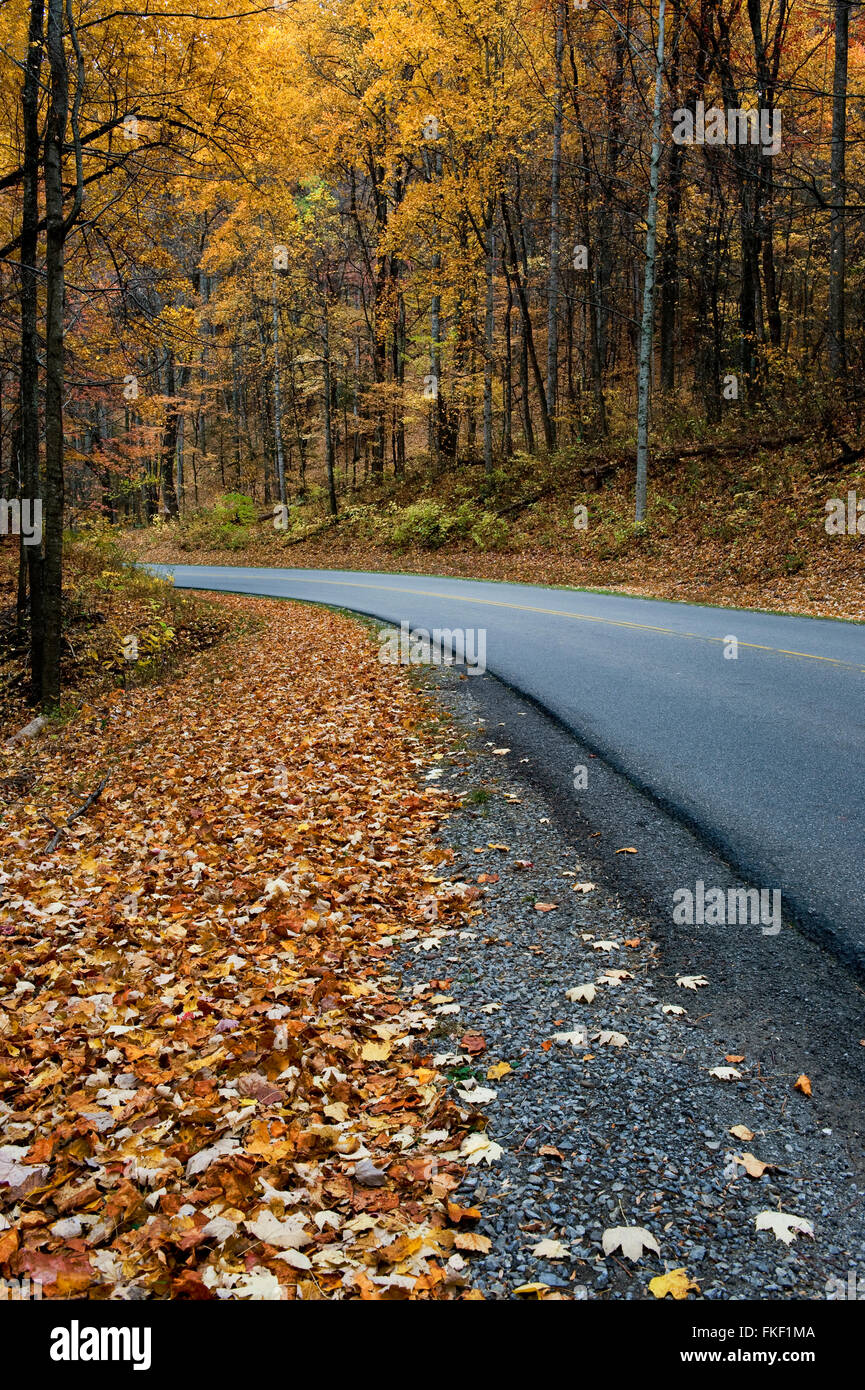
(313, 247)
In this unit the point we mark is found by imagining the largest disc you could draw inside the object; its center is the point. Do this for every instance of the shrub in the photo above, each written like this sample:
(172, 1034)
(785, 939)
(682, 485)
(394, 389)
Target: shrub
(490, 532)
(425, 524)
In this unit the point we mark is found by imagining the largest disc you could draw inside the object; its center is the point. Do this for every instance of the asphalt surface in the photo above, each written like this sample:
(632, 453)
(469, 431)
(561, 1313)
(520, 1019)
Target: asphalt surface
(762, 755)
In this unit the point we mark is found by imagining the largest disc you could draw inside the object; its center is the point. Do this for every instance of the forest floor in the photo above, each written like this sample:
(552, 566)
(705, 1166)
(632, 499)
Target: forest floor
(743, 528)
(210, 1084)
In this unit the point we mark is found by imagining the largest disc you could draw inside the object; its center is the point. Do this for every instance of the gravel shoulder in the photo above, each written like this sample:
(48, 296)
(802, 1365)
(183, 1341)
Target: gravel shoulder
(607, 1133)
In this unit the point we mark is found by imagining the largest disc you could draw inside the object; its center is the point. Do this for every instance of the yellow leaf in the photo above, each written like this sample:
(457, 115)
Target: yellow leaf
(742, 1132)
(375, 1052)
(470, 1240)
(498, 1070)
(676, 1282)
(803, 1085)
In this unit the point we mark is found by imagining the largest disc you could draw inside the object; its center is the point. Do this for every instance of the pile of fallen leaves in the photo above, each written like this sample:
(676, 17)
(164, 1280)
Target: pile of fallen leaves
(210, 1086)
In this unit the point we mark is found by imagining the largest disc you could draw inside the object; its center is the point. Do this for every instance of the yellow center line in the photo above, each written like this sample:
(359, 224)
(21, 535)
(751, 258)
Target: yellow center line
(579, 617)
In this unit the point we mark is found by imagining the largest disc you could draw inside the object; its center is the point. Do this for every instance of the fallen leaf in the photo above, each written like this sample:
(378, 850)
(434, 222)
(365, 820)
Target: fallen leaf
(550, 1250)
(477, 1095)
(472, 1240)
(581, 994)
(691, 981)
(629, 849)
(742, 1132)
(366, 1172)
(784, 1226)
(754, 1167)
(632, 1240)
(545, 907)
(676, 1282)
(498, 1070)
(609, 1039)
(804, 1085)
(478, 1148)
(726, 1073)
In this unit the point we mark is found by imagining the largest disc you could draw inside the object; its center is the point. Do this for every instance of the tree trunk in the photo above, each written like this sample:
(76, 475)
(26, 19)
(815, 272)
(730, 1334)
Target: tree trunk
(328, 426)
(646, 333)
(837, 235)
(56, 230)
(489, 343)
(555, 182)
(31, 486)
(277, 401)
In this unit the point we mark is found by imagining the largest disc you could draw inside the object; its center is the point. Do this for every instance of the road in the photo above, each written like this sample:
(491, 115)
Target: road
(763, 754)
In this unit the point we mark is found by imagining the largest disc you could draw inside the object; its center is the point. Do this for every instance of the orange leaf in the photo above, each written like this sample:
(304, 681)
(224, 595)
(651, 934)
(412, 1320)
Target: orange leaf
(803, 1085)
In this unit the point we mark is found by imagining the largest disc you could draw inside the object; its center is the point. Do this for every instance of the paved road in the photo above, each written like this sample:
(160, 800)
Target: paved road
(763, 754)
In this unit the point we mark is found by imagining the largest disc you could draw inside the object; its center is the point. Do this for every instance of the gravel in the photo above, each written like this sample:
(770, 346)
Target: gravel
(598, 1136)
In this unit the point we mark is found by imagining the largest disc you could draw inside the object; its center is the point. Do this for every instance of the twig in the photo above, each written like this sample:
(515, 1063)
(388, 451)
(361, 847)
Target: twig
(85, 806)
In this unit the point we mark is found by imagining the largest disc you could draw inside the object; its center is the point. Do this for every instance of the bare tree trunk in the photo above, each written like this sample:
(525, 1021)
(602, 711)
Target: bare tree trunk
(328, 427)
(56, 231)
(489, 343)
(555, 182)
(646, 330)
(31, 485)
(168, 450)
(277, 400)
(837, 235)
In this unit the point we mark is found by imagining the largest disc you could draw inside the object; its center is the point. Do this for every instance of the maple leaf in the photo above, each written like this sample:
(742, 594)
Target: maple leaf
(632, 1240)
(477, 1148)
(783, 1226)
(472, 1240)
(676, 1282)
(550, 1250)
(581, 994)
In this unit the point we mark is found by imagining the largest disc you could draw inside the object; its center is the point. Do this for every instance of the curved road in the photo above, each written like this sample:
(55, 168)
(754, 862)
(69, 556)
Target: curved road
(763, 754)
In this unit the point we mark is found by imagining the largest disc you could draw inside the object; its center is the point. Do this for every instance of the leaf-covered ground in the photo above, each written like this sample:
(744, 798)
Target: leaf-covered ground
(210, 1086)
